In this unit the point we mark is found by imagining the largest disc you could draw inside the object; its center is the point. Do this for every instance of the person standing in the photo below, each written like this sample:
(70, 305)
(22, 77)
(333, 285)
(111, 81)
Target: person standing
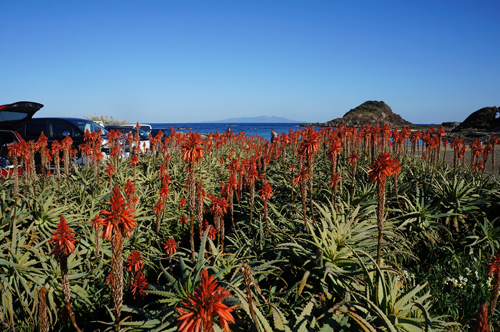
(274, 135)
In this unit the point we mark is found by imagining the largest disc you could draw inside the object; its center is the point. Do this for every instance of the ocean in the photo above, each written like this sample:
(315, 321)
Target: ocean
(250, 129)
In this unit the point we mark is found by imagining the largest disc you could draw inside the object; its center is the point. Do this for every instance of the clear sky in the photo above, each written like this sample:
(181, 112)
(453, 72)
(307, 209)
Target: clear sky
(193, 61)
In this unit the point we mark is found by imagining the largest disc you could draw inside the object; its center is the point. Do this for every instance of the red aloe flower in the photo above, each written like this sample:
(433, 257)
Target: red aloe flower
(334, 182)
(170, 247)
(266, 192)
(158, 209)
(253, 175)
(129, 187)
(182, 203)
(382, 168)
(134, 262)
(199, 313)
(63, 239)
(120, 217)
(109, 278)
(116, 223)
(110, 170)
(130, 191)
(379, 171)
(310, 142)
(308, 147)
(212, 232)
(183, 220)
(164, 190)
(139, 285)
(134, 160)
(161, 171)
(64, 244)
(192, 149)
(219, 205)
(219, 209)
(353, 158)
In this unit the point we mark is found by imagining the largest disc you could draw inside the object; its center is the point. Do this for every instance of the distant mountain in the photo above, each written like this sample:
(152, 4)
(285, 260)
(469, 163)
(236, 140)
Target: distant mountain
(257, 119)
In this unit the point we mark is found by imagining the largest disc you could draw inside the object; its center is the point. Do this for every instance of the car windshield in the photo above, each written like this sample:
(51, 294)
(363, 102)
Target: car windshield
(145, 127)
(87, 124)
(125, 130)
(165, 131)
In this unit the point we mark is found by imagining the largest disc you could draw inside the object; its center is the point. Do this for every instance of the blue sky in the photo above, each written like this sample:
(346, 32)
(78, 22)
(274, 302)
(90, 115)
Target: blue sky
(193, 61)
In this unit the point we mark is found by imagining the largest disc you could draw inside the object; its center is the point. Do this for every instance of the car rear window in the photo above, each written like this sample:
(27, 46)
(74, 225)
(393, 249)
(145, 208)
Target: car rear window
(12, 116)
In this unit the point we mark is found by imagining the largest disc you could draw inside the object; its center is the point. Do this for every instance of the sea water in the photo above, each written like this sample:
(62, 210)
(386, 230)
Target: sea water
(250, 129)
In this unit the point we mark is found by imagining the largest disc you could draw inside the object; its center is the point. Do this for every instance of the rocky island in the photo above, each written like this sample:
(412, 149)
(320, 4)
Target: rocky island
(485, 119)
(371, 113)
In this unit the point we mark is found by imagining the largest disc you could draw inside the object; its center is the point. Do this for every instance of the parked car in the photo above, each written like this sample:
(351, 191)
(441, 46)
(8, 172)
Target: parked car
(143, 136)
(59, 128)
(166, 132)
(11, 116)
(144, 127)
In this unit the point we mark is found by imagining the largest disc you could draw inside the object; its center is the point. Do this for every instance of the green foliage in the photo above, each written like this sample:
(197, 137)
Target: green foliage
(106, 120)
(321, 278)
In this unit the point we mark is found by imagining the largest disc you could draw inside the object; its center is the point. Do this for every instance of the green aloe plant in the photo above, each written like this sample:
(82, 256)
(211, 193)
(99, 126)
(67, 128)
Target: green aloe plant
(419, 217)
(460, 197)
(392, 303)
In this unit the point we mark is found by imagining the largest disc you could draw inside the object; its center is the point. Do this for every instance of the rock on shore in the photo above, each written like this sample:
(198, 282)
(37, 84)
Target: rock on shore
(484, 119)
(371, 113)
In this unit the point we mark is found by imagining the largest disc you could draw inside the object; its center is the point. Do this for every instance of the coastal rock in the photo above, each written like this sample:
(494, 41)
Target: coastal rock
(485, 119)
(371, 113)
(450, 124)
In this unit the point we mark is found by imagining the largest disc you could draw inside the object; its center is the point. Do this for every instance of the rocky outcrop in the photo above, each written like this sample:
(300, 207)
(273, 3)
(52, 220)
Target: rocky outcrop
(483, 119)
(371, 113)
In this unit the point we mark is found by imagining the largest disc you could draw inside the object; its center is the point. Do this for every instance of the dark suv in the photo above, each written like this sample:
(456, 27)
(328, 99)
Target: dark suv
(58, 129)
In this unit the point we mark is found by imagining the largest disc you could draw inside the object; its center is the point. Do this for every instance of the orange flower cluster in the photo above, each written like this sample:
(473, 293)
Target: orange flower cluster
(134, 262)
(382, 168)
(310, 143)
(199, 313)
(139, 284)
(192, 149)
(219, 205)
(266, 192)
(120, 217)
(63, 239)
(170, 247)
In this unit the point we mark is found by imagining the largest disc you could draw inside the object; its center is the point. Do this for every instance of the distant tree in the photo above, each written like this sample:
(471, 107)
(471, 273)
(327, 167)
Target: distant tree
(106, 120)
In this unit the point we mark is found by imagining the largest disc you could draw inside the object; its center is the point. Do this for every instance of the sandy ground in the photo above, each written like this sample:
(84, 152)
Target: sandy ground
(488, 169)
